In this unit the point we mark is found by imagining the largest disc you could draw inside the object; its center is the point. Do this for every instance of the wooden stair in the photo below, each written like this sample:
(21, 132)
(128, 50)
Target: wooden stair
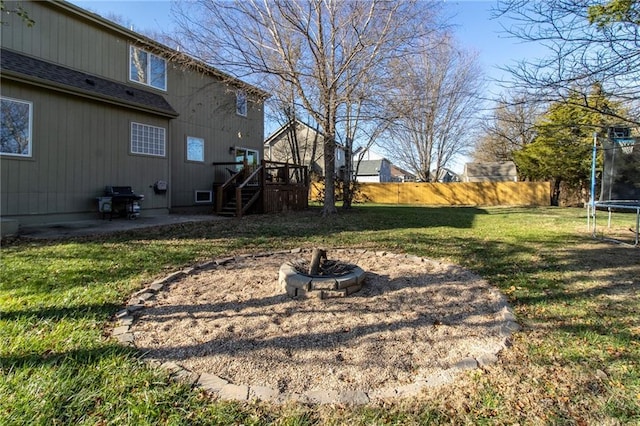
(230, 208)
(268, 188)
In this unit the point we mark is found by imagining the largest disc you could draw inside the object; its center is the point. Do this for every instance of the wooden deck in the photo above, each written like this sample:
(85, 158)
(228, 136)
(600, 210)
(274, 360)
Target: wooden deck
(270, 187)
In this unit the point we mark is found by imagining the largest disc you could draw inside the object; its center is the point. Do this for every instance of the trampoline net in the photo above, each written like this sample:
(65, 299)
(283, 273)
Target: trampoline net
(621, 172)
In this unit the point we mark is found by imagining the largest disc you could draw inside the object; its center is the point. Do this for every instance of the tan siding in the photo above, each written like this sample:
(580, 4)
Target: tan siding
(4, 178)
(79, 147)
(207, 109)
(68, 41)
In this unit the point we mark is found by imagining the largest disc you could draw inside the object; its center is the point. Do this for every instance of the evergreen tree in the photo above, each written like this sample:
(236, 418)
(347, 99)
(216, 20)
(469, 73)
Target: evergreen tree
(561, 151)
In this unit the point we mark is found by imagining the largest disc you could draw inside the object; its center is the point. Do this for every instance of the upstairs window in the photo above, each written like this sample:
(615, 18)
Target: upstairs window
(148, 140)
(241, 103)
(147, 68)
(15, 127)
(195, 149)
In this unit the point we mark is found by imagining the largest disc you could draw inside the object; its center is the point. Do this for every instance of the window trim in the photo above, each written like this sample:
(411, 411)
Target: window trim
(191, 139)
(148, 68)
(164, 140)
(203, 191)
(242, 104)
(246, 150)
(30, 125)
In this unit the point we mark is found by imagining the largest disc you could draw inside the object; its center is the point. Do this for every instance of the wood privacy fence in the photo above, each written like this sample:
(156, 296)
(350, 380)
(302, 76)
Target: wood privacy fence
(453, 194)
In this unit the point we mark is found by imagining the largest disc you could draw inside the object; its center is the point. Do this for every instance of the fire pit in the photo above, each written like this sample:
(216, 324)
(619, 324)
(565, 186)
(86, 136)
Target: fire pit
(321, 277)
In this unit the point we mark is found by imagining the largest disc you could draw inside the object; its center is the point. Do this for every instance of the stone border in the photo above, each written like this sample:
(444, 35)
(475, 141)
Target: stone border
(225, 390)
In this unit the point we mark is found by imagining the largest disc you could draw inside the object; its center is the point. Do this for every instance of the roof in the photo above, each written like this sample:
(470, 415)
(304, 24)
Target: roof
(17, 66)
(275, 137)
(370, 167)
(444, 174)
(170, 54)
(397, 171)
(503, 168)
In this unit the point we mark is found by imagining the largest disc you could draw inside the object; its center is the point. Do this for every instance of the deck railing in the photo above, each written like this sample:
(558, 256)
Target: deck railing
(280, 186)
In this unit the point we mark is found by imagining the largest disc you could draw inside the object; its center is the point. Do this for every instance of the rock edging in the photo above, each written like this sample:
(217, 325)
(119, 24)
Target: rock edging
(225, 390)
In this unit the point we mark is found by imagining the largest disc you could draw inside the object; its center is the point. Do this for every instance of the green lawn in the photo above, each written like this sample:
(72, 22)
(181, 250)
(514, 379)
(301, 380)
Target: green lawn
(576, 360)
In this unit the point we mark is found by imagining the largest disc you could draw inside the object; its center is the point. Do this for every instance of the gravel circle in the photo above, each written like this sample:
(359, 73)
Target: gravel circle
(413, 318)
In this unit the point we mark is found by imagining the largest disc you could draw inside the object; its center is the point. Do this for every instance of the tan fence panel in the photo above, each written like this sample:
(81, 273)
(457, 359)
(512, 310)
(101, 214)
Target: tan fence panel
(454, 194)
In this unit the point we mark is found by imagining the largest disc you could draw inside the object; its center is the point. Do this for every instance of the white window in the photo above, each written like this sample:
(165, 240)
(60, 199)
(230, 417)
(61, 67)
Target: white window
(195, 149)
(149, 140)
(147, 68)
(241, 103)
(204, 196)
(15, 127)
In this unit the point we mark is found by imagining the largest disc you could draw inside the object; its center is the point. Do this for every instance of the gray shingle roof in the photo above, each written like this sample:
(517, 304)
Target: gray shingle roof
(14, 64)
(506, 168)
(369, 167)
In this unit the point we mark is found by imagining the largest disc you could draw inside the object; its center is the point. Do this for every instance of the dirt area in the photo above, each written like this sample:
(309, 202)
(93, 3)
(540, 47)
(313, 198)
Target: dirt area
(411, 319)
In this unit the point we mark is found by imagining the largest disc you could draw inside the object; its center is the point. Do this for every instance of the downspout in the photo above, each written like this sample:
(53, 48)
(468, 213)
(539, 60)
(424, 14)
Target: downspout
(169, 202)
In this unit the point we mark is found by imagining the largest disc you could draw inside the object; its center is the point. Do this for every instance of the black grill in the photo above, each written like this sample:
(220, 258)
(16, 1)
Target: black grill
(121, 201)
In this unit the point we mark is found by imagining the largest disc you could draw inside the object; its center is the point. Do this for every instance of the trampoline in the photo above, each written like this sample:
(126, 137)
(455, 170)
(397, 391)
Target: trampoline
(620, 180)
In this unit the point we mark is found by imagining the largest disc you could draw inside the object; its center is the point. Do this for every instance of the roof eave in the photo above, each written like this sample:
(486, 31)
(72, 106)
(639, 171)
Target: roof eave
(18, 77)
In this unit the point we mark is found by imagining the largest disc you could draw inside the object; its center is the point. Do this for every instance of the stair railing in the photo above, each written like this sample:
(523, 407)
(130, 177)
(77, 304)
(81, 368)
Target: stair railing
(220, 198)
(240, 208)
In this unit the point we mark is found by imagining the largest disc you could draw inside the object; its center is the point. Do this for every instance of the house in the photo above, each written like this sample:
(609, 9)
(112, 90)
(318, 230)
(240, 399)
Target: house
(374, 171)
(299, 143)
(398, 174)
(504, 171)
(445, 176)
(87, 103)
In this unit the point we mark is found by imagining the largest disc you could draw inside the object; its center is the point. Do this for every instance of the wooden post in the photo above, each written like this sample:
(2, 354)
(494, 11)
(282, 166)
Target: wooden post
(219, 198)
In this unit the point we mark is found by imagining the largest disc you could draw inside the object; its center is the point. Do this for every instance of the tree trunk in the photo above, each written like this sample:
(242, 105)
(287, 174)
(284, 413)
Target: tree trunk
(329, 207)
(555, 192)
(347, 187)
(316, 257)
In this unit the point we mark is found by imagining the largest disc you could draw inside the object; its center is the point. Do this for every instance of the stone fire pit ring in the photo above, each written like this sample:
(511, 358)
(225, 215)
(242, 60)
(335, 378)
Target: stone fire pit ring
(299, 285)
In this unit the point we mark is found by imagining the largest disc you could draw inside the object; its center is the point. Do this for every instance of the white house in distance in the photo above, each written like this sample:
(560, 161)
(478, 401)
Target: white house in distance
(374, 171)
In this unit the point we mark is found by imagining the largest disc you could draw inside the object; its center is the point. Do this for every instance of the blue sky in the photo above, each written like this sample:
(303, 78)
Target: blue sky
(470, 20)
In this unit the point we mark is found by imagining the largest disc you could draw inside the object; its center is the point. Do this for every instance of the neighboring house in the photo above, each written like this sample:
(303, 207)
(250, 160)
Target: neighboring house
(504, 171)
(445, 176)
(374, 171)
(399, 174)
(87, 103)
(281, 146)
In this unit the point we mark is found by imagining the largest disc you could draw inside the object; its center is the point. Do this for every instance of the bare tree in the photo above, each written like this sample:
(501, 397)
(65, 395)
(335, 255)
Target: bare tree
(366, 129)
(15, 132)
(300, 142)
(323, 49)
(589, 42)
(510, 129)
(434, 99)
